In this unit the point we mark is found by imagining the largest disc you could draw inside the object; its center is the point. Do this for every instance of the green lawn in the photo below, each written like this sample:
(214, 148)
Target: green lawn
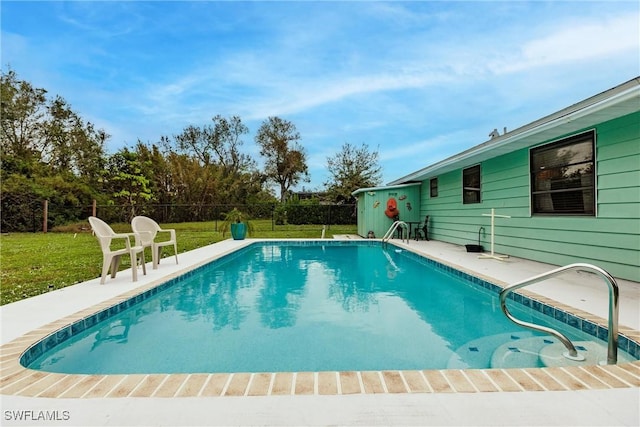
(34, 263)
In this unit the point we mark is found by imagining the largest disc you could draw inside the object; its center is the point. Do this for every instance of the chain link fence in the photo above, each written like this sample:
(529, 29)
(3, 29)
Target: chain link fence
(30, 217)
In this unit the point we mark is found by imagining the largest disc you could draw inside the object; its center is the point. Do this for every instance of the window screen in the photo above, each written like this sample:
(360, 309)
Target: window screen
(433, 186)
(471, 185)
(563, 177)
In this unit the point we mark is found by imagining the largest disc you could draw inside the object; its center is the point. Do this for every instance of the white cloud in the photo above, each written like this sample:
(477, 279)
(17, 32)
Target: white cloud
(403, 77)
(574, 42)
(433, 149)
(110, 19)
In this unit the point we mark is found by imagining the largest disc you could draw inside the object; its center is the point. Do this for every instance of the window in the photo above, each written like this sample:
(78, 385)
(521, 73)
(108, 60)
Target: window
(563, 177)
(471, 185)
(433, 186)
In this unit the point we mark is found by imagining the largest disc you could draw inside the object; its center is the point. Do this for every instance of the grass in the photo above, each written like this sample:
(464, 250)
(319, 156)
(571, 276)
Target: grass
(35, 263)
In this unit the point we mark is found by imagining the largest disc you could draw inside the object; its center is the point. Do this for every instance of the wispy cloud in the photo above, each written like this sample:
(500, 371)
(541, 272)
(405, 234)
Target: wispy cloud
(263, 84)
(100, 19)
(595, 39)
(431, 78)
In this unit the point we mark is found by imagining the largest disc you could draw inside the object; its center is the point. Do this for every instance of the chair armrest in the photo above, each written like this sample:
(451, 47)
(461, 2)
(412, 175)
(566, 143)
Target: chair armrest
(169, 230)
(139, 237)
(125, 236)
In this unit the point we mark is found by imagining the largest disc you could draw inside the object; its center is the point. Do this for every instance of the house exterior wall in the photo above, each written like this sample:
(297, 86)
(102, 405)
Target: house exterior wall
(610, 240)
(373, 203)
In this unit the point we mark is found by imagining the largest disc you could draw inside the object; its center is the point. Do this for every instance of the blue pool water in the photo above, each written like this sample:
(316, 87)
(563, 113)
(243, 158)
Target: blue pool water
(300, 307)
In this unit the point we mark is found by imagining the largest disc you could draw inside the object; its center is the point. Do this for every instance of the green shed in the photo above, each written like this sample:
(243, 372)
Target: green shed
(376, 207)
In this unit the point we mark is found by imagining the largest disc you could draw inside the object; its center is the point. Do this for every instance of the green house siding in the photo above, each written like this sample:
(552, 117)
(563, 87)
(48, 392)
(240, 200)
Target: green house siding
(611, 239)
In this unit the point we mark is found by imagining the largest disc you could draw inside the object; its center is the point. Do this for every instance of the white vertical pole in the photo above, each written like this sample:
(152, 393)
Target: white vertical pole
(493, 224)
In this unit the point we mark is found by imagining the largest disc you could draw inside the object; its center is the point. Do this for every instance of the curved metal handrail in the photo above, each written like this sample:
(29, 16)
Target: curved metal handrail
(392, 230)
(612, 352)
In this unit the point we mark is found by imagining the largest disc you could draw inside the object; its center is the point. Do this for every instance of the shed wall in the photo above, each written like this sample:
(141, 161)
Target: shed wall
(372, 205)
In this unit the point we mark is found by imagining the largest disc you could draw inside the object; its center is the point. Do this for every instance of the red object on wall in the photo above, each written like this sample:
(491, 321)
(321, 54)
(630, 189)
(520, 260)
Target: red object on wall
(392, 208)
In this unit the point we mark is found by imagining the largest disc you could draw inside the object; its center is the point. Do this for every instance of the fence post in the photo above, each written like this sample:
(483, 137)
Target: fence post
(273, 217)
(45, 209)
(94, 207)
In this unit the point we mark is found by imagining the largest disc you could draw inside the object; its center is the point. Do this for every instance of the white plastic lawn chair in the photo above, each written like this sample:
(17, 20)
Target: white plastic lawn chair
(146, 230)
(111, 258)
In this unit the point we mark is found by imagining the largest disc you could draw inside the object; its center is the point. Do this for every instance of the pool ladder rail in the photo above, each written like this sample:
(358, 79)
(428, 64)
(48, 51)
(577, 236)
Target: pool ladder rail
(572, 353)
(393, 228)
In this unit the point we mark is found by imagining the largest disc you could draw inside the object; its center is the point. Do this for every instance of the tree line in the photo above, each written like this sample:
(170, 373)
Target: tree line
(49, 152)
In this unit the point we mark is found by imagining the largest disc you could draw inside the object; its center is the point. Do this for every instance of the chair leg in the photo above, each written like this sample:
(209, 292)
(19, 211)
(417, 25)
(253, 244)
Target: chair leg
(109, 264)
(144, 262)
(154, 255)
(175, 251)
(115, 264)
(106, 265)
(134, 265)
(157, 254)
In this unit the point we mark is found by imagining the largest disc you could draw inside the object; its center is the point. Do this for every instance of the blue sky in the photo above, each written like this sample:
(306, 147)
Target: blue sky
(417, 81)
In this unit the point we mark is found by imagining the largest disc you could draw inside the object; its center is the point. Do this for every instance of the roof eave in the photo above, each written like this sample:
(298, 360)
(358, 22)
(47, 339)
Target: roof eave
(571, 119)
(384, 187)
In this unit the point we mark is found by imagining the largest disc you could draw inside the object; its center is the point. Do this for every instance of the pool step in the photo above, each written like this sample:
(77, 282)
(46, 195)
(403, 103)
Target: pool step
(522, 350)
(477, 354)
(594, 352)
(523, 353)
(549, 352)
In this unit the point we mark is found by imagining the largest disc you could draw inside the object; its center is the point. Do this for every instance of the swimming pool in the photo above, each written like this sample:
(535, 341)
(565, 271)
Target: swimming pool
(311, 306)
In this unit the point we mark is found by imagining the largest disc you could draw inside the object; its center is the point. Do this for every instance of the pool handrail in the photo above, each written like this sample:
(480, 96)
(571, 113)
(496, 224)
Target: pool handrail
(392, 230)
(572, 353)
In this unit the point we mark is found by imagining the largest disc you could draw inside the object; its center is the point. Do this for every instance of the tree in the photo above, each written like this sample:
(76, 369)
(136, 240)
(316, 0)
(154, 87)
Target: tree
(285, 163)
(45, 137)
(225, 174)
(47, 152)
(157, 168)
(21, 115)
(218, 144)
(70, 146)
(125, 180)
(350, 169)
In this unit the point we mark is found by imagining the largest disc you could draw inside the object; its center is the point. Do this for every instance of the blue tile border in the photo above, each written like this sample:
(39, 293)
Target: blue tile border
(624, 343)
(67, 332)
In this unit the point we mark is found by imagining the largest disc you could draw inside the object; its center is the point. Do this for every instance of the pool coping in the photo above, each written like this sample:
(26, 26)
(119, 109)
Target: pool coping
(17, 380)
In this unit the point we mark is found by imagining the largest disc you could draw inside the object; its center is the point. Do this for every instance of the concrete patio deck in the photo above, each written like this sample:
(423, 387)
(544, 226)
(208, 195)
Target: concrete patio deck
(602, 405)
